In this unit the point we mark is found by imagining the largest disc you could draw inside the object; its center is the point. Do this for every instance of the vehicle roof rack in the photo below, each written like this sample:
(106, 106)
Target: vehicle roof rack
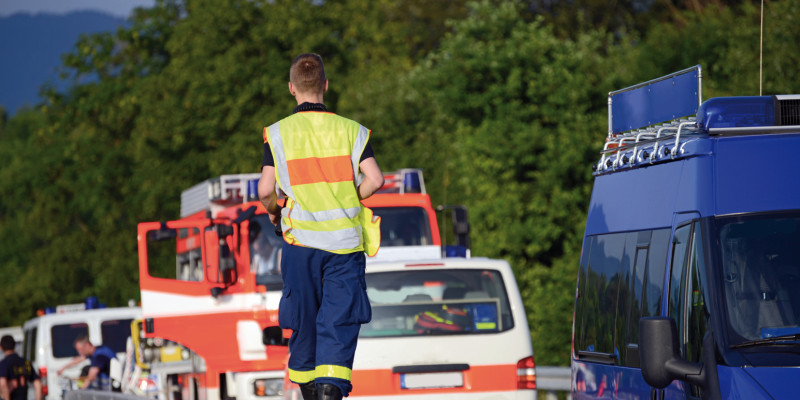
(219, 192)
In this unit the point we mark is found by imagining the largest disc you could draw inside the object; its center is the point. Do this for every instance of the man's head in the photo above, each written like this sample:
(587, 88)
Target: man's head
(307, 75)
(83, 346)
(7, 343)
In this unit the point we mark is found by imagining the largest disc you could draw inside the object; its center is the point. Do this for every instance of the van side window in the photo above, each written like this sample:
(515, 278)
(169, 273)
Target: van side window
(115, 334)
(677, 283)
(63, 338)
(620, 280)
(656, 268)
(580, 295)
(697, 313)
(601, 294)
(30, 344)
(639, 265)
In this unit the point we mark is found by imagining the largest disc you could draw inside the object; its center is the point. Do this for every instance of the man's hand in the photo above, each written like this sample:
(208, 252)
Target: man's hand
(276, 217)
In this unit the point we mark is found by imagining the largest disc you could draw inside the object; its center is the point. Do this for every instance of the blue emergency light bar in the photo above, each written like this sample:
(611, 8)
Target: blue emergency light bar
(406, 180)
(89, 303)
(736, 112)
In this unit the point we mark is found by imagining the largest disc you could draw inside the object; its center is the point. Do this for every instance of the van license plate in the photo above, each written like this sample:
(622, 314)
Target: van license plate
(432, 380)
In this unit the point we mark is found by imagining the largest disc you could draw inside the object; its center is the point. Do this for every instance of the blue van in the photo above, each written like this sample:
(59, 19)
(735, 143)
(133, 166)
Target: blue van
(689, 278)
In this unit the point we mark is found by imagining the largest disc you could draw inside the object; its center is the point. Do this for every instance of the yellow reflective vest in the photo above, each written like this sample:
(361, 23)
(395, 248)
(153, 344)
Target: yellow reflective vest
(316, 162)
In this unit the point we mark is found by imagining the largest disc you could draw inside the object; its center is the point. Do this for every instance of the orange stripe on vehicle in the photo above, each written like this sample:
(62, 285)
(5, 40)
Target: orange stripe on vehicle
(325, 169)
(478, 378)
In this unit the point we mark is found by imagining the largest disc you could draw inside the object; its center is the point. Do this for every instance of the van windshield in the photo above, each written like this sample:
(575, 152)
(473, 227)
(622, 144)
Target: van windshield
(761, 274)
(404, 226)
(437, 302)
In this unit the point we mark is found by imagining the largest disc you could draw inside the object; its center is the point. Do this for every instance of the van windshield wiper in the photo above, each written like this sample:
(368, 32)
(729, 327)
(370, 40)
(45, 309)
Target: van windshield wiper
(767, 341)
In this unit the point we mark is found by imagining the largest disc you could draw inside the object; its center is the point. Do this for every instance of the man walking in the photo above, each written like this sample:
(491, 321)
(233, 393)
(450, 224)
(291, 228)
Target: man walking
(315, 157)
(16, 373)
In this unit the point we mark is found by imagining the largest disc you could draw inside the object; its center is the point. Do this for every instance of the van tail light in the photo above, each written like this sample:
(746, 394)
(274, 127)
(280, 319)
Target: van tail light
(43, 379)
(526, 373)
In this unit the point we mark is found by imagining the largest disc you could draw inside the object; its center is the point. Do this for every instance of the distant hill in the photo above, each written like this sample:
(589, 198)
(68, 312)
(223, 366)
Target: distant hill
(31, 47)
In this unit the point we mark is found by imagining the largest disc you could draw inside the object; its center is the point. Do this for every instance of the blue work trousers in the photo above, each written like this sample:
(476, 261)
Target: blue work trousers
(324, 303)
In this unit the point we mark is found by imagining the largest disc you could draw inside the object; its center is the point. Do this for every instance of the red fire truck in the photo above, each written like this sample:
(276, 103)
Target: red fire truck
(210, 281)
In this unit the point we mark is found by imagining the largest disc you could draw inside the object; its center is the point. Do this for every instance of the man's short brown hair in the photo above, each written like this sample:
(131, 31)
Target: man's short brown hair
(7, 342)
(307, 73)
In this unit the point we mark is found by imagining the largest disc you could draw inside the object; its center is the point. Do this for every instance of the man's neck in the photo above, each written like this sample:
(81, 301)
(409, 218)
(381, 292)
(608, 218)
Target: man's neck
(8, 352)
(308, 98)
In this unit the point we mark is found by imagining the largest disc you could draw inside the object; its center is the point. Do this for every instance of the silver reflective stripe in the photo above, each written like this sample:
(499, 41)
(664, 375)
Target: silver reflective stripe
(358, 148)
(276, 142)
(342, 239)
(327, 215)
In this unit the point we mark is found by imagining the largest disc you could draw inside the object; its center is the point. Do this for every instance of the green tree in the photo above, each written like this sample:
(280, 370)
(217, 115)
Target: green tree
(179, 95)
(507, 118)
(725, 41)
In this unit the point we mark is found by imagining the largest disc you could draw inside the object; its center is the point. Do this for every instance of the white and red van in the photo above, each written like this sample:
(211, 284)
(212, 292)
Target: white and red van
(444, 328)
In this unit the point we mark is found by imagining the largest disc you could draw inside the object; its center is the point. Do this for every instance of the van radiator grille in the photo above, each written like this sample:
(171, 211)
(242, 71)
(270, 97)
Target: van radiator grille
(789, 112)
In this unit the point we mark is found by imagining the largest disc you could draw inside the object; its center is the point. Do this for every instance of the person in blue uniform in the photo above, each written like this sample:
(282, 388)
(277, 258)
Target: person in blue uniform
(315, 157)
(99, 363)
(16, 373)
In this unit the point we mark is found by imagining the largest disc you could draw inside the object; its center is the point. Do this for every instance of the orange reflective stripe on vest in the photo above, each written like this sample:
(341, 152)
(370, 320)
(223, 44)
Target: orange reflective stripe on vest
(316, 170)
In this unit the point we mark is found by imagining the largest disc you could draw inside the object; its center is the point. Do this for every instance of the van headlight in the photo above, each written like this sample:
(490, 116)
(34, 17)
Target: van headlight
(268, 387)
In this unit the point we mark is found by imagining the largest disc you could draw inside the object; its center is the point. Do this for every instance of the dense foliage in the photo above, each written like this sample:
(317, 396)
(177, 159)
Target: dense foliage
(502, 103)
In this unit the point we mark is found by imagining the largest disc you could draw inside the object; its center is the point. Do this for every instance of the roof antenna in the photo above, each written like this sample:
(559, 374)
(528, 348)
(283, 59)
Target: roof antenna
(761, 51)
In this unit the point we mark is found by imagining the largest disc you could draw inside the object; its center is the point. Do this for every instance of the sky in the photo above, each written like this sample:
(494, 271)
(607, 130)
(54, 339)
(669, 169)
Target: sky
(118, 8)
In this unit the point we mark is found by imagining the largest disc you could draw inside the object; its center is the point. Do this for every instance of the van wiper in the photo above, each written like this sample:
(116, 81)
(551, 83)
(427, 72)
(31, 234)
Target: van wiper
(767, 341)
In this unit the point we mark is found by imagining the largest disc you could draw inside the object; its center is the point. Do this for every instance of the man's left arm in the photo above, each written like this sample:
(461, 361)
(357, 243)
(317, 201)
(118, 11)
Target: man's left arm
(90, 377)
(37, 388)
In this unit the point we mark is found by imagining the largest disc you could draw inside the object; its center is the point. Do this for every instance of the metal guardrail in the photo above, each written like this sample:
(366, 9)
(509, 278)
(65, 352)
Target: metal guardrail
(98, 395)
(551, 380)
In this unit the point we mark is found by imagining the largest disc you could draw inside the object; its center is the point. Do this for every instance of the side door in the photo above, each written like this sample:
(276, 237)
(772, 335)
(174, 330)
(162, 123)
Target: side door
(687, 295)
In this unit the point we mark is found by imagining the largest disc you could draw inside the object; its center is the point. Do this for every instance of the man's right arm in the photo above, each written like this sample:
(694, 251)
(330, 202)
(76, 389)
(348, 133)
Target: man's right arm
(4, 389)
(373, 178)
(266, 193)
(75, 360)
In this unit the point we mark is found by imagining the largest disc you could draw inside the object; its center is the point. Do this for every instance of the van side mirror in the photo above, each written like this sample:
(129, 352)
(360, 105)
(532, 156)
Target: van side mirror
(658, 354)
(227, 264)
(219, 258)
(460, 219)
(661, 362)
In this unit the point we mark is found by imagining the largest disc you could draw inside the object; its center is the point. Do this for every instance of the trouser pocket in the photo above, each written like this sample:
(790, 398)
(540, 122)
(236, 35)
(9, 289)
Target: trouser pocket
(288, 310)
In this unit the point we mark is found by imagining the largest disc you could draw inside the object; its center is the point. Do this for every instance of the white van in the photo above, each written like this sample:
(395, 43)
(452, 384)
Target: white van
(49, 341)
(443, 329)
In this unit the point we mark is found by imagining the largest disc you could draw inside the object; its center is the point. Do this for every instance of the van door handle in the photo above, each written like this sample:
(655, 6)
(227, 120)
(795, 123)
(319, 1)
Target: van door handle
(406, 369)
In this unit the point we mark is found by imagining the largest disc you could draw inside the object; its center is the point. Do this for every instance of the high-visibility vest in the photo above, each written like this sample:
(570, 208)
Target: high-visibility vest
(316, 161)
